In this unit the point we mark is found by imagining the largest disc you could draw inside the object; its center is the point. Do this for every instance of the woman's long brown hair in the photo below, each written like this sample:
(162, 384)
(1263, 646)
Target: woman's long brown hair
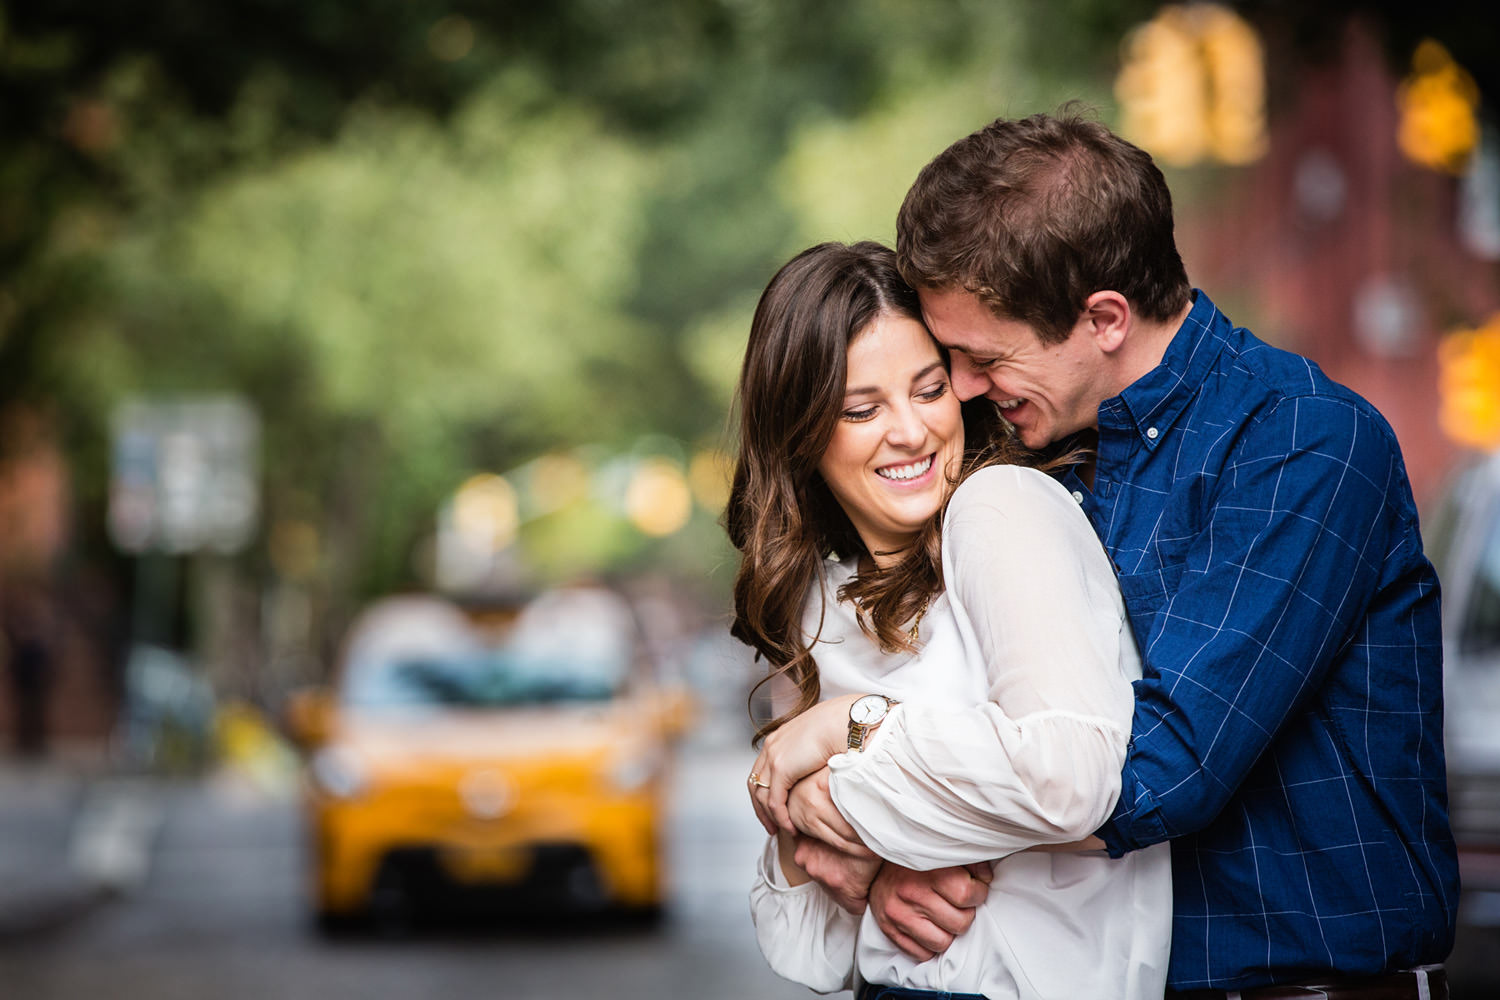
(781, 516)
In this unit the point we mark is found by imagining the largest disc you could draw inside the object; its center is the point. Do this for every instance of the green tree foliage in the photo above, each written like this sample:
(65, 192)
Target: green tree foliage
(385, 296)
(427, 238)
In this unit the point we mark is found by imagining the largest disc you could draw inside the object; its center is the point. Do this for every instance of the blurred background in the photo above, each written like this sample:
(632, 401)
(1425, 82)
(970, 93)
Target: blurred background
(365, 372)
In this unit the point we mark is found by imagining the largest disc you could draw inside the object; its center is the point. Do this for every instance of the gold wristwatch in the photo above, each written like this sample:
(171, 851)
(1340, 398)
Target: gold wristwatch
(864, 716)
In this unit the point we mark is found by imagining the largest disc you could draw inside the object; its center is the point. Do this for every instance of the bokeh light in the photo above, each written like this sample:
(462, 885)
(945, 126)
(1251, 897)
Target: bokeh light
(1439, 105)
(1191, 86)
(709, 474)
(1469, 382)
(658, 500)
(485, 512)
(557, 480)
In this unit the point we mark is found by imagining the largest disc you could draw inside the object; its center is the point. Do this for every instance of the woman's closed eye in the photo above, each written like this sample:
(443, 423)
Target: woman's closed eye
(930, 394)
(933, 392)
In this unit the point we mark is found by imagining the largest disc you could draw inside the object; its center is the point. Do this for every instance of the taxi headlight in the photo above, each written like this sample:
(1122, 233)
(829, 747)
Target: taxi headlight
(339, 773)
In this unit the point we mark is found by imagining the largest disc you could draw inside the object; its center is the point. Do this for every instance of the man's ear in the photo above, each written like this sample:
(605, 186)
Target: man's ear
(1108, 316)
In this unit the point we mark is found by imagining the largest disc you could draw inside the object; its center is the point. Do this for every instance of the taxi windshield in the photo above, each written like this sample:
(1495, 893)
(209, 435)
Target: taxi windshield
(564, 647)
(489, 679)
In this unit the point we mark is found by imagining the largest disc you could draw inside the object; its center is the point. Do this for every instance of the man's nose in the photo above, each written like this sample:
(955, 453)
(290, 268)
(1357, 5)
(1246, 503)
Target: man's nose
(967, 383)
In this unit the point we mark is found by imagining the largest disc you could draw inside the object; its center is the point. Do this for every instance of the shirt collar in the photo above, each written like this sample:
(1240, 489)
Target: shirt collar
(1152, 403)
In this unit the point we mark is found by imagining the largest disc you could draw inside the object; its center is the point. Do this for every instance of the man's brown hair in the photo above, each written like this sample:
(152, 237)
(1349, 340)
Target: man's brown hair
(1035, 215)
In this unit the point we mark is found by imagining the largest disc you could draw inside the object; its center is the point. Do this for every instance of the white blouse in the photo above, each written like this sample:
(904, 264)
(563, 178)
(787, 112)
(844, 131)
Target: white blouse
(1032, 629)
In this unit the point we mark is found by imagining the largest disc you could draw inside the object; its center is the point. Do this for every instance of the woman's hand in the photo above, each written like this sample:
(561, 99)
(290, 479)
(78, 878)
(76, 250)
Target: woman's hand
(797, 749)
(814, 815)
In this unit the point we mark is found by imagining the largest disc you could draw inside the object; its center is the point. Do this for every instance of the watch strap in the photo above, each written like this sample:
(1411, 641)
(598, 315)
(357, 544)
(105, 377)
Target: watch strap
(860, 731)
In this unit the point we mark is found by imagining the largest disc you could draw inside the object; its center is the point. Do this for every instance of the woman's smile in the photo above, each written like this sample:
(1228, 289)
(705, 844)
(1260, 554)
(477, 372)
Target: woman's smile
(911, 473)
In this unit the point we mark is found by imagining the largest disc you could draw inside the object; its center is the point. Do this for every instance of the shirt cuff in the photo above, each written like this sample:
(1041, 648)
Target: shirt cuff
(1134, 824)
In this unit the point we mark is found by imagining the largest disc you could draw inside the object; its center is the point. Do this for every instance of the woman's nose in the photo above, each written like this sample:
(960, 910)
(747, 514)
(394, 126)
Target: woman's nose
(906, 428)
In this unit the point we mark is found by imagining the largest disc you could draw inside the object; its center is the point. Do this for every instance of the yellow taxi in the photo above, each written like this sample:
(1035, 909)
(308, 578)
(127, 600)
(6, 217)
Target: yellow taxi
(522, 755)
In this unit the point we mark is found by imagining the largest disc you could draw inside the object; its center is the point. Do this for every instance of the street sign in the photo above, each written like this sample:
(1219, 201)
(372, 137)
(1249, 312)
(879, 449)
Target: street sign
(185, 475)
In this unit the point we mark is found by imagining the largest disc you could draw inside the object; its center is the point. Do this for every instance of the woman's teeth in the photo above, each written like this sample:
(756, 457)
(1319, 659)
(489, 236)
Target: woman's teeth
(911, 471)
(1010, 404)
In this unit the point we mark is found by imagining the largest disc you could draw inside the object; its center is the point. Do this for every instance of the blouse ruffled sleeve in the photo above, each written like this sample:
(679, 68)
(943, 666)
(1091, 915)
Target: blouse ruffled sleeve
(805, 936)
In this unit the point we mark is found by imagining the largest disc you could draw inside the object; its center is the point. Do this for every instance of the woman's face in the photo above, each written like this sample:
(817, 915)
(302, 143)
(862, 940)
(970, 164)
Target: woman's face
(899, 438)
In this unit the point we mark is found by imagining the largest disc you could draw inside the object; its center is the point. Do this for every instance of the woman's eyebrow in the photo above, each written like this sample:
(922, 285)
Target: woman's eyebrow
(919, 376)
(865, 390)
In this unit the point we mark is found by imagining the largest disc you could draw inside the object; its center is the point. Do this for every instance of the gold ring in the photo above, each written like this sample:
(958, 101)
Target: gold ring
(754, 779)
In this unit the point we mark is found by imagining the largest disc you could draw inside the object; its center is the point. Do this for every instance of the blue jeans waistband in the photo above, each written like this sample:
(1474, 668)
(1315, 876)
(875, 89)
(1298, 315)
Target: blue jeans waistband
(875, 991)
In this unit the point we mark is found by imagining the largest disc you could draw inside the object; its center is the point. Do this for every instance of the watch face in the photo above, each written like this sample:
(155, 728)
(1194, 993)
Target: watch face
(869, 709)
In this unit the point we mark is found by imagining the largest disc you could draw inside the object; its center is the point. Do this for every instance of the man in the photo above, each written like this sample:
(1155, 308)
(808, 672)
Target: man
(1287, 736)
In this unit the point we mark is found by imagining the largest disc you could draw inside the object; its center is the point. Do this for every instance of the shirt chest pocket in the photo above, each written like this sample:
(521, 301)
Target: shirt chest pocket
(1146, 595)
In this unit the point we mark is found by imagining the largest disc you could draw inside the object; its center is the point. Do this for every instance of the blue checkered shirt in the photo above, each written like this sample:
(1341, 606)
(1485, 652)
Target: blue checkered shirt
(1288, 731)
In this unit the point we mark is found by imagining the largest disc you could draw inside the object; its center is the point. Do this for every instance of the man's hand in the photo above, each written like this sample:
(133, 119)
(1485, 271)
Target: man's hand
(922, 912)
(791, 753)
(814, 815)
(846, 877)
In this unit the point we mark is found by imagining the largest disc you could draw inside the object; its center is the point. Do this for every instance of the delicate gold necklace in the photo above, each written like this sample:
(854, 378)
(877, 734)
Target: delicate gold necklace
(916, 625)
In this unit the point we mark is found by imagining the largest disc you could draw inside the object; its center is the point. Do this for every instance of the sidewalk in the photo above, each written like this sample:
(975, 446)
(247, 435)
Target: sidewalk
(70, 838)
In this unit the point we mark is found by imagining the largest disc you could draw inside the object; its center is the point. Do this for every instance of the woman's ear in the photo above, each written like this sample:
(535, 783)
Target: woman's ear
(1108, 316)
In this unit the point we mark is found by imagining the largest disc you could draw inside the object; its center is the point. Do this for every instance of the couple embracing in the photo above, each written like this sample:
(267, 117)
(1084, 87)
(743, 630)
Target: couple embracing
(1105, 653)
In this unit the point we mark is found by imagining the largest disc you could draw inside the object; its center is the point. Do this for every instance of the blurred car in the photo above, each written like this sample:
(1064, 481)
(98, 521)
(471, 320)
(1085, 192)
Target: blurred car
(1465, 545)
(521, 753)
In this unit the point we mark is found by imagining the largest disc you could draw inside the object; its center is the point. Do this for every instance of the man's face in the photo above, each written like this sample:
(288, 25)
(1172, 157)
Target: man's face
(1047, 391)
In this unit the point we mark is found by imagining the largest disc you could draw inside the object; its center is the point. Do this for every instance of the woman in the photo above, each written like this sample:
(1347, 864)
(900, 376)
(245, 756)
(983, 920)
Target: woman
(866, 571)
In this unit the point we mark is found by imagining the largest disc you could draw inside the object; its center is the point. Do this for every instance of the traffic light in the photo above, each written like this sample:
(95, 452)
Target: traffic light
(1192, 86)
(1469, 385)
(1439, 107)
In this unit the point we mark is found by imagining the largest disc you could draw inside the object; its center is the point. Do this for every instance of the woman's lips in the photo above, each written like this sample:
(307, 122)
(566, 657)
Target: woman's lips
(906, 472)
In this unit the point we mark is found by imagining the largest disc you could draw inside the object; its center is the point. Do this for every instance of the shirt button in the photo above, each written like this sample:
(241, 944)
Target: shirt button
(1152, 432)
(1078, 496)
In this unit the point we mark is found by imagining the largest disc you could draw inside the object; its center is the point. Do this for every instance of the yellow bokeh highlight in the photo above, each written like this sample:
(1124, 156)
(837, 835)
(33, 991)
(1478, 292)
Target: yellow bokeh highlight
(1192, 87)
(1160, 89)
(1439, 107)
(486, 513)
(1237, 80)
(250, 746)
(658, 500)
(1469, 385)
(709, 474)
(558, 481)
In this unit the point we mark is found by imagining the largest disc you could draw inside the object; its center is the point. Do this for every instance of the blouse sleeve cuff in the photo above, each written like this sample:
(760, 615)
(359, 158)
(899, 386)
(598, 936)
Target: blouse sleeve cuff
(803, 934)
(774, 878)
